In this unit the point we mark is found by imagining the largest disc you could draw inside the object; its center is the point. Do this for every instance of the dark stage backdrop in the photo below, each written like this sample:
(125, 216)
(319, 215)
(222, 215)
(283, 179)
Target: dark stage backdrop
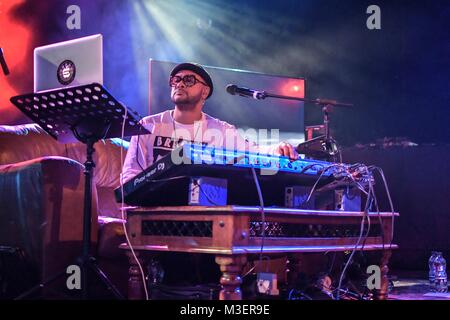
(419, 183)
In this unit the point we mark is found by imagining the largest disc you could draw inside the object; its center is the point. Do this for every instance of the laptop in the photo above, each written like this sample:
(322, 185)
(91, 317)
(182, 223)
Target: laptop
(68, 64)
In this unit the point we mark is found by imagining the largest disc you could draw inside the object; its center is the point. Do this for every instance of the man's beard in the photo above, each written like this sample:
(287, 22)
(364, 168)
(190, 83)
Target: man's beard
(186, 102)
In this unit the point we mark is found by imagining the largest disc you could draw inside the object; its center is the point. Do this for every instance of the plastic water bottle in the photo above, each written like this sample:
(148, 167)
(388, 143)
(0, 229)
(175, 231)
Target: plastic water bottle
(432, 271)
(440, 277)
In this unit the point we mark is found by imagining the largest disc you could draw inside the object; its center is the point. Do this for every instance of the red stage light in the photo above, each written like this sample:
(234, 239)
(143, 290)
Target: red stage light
(15, 41)
(293, 87)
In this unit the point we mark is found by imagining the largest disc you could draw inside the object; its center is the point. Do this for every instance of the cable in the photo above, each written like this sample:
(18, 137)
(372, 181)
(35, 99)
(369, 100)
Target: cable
(318, 179)
(365, 215)
(138, 146)
(309, 166)
(263, 216)
(390, 202)
(332, 262)
(380, 221)
(137, 151)
(361, 230)
(249, 271)
(167, 179)
(371, 200)
(123, 212)
(366, 174)
(254, 266)
(374, 201)
(370, 197)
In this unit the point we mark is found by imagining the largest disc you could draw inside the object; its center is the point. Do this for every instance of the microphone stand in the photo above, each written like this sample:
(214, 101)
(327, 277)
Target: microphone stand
(320, 146)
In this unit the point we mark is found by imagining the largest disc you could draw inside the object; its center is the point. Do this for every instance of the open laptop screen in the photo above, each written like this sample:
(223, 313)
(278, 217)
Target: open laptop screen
(69, 63)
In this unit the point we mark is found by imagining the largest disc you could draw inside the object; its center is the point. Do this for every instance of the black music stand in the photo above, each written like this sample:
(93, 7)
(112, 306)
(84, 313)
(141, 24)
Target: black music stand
(88, 114)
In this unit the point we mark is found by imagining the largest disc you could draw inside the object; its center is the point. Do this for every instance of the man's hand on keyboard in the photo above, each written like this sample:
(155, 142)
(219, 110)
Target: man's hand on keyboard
(286, 149)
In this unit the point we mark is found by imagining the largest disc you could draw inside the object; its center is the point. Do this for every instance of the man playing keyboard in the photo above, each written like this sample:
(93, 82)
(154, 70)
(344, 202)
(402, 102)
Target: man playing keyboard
(191, 87)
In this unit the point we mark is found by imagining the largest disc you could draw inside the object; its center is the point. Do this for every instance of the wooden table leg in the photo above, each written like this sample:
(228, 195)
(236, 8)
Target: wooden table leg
(135, 284)
(231, 267)
(382, 293)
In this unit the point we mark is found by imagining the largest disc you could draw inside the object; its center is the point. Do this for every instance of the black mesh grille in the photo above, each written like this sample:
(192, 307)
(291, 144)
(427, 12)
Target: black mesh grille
(177, 228)
(295, 230)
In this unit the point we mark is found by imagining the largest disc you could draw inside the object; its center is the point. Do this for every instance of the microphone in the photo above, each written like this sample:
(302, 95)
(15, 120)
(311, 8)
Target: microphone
(245, 92)
(3, 63)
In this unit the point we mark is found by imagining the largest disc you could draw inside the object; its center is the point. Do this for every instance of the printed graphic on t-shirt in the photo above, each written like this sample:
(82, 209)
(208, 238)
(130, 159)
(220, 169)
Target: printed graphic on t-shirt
(164, 145)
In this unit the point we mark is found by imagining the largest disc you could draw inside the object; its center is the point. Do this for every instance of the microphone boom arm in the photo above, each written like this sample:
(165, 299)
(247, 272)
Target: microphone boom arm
(321, 102)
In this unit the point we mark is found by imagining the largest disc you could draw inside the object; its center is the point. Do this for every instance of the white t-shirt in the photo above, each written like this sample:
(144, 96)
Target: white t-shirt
(166, 134)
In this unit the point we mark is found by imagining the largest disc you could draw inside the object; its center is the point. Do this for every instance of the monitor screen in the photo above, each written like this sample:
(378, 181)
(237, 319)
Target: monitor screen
(245, 113)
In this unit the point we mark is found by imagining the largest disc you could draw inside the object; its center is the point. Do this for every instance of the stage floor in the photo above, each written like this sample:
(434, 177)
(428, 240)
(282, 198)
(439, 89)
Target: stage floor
(414, 289)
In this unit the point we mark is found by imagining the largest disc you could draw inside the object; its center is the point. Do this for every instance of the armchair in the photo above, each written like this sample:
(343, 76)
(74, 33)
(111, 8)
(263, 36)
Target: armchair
(41, 211)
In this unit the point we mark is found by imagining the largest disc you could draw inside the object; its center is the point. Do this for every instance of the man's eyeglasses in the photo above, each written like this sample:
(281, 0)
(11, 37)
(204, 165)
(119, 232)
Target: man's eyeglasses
(189, 80)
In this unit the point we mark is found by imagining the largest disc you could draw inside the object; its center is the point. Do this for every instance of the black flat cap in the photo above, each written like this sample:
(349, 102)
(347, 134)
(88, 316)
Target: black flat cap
(198, 69)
